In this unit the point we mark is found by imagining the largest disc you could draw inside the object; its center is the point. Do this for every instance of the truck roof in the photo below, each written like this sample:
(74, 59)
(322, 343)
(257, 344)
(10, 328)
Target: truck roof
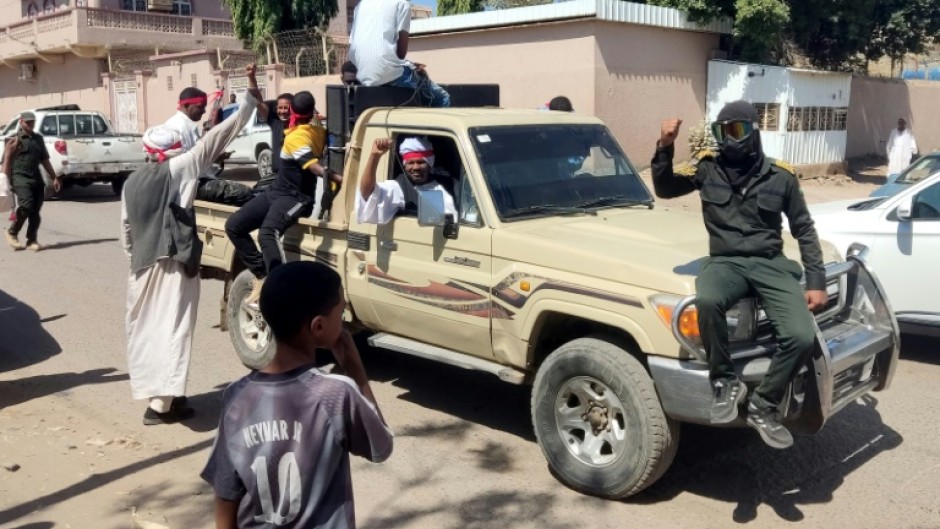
(475, 117)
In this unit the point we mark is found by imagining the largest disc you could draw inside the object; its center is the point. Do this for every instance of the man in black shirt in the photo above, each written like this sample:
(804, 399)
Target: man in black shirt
(23, 156)
(743, 196)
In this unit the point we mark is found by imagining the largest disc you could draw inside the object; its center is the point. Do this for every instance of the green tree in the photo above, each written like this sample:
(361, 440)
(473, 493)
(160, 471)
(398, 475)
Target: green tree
(833, 34)
(256, 21)
(457, 7)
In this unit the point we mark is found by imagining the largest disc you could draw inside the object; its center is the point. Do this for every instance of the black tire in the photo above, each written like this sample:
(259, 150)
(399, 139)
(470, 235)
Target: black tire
(265, 161)
(117, 185)
(619, 467)
(250, 335)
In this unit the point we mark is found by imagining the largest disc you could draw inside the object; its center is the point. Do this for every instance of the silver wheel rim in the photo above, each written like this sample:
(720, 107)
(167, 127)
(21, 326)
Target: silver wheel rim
(254, 330)
(264, 164)
(591, 421)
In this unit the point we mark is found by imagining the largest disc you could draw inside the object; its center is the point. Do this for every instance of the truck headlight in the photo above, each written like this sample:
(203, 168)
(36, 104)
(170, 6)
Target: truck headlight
(742, 318)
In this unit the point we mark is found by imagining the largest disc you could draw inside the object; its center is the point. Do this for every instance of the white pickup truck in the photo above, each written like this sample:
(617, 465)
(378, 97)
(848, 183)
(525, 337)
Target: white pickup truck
(83, 147)
(253, 144)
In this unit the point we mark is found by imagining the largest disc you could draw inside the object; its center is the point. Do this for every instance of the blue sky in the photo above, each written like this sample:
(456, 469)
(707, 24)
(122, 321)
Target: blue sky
(430, 3)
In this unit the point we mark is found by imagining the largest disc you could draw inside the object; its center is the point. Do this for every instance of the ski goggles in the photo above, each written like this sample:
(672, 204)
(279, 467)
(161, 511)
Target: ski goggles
(737, 129)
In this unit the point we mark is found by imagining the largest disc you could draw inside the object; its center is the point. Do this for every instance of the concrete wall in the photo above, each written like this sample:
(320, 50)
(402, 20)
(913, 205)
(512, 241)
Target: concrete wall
(75, 80)
(878, 103)
(644, 75)
(531, 64)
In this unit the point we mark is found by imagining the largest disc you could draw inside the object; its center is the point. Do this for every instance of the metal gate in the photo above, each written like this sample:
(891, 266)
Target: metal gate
(124, 95)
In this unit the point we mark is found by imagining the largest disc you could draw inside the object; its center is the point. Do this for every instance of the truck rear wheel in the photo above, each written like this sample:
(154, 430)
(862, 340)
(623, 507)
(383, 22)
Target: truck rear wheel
(250, 335)
(598, 420)
(265, 161)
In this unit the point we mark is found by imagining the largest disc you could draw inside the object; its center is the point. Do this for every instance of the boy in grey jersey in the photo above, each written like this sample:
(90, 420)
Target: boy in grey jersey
(281, 457)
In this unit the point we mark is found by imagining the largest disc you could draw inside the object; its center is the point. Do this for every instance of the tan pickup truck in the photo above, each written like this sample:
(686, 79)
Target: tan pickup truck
(560, 273)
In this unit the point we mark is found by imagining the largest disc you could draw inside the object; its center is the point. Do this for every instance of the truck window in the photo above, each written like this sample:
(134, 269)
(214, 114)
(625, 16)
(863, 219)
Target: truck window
(66, 124)
(533, 170)
(83, 124)
(50, 126)
(447, 169)
(99, 126)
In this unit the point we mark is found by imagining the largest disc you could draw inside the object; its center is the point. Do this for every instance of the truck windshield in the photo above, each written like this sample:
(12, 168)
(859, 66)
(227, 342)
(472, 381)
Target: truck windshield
(538, 170)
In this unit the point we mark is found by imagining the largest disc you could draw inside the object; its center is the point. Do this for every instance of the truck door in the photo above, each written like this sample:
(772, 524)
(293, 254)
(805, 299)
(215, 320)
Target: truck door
(422, 285)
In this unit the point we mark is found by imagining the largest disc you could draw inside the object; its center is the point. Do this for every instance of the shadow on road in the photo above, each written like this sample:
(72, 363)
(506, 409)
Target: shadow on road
(35, 525)
(98, 192)
(95, 481)
(26, 389)
(736, 467)
(23, 340)
(923, 349)
(69, 244)
(473, 396)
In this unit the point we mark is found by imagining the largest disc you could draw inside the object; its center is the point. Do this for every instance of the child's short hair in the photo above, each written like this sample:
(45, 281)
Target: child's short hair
(295, 293)
(303, 103)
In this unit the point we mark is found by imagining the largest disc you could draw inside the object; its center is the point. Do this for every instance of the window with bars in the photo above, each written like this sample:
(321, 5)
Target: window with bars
(809, 119)
(192, 80)
(768, 116)
(169, 83)
(182, 8)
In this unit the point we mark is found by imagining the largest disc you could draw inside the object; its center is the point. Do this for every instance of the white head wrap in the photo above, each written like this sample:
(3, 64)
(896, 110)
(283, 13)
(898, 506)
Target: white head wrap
(162, 142)
(415, 147)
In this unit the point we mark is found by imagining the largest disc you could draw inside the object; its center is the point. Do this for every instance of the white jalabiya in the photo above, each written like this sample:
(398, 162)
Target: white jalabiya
(387, 198)
(901, 146)
(162, 300)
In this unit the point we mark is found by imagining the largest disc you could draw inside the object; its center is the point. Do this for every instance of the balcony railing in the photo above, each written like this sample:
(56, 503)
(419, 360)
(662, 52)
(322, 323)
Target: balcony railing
(107, 18)
(77, 18)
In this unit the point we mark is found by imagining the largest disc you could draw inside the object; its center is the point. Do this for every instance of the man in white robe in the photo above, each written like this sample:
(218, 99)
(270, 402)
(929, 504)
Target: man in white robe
(377, 203)
(162, 299)
(901, 148)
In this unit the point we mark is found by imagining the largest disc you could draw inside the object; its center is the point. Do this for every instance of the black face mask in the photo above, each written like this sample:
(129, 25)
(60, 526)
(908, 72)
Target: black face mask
(739, 154)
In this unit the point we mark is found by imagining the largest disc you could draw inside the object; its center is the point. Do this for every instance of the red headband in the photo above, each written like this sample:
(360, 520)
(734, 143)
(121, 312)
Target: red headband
(413, 155)
(161, 154)
(201, 100)
(295, 117)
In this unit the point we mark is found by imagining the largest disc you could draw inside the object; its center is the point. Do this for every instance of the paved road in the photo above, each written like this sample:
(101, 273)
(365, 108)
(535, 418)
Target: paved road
(465, 453)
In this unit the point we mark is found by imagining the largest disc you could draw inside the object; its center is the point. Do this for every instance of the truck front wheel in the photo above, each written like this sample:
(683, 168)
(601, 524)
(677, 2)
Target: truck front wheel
(265, 163)
(598, 420)
(250, 335)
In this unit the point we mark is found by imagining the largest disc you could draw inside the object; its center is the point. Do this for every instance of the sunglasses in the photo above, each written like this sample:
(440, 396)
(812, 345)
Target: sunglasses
(734, 129)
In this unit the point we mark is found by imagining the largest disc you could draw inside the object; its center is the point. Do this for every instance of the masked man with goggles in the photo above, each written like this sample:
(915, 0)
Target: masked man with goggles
(744, 195)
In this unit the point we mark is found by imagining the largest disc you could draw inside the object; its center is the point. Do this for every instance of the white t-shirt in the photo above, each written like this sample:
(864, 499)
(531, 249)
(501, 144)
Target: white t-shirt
(187, 128)
(387, 198)
(373, 41)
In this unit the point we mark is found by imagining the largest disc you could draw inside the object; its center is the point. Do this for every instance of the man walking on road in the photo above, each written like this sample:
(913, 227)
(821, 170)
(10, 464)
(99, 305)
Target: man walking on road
(158, 228)
(743, 196)
(22, 159)
(901, 148)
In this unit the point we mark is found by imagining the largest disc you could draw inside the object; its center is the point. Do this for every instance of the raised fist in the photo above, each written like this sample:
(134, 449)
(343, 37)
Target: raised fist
(381, 146)
(669, 131)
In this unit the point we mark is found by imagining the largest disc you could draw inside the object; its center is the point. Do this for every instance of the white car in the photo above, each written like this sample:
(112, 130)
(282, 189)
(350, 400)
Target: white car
(902, 234)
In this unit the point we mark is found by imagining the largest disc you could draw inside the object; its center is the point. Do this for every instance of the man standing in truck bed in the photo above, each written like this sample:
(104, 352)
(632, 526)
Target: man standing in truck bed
(743, 195)
(22, 159)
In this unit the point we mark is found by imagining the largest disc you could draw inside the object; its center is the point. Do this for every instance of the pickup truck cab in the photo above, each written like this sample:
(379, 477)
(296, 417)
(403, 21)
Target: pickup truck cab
(561, 273)
(83, 147)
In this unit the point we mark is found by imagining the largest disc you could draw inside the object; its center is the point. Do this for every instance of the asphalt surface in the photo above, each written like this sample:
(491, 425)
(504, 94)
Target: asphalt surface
(465, 454)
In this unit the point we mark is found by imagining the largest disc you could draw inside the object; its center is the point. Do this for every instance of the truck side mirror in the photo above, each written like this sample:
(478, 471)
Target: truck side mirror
(905, 209)
(431, 208)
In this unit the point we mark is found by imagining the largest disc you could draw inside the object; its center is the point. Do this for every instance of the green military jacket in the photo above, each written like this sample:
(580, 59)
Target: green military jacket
(747, 221)
(27, 161)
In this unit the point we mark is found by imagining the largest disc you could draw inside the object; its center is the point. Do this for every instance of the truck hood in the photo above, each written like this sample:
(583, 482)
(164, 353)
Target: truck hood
(659, 250)
(655, 249)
